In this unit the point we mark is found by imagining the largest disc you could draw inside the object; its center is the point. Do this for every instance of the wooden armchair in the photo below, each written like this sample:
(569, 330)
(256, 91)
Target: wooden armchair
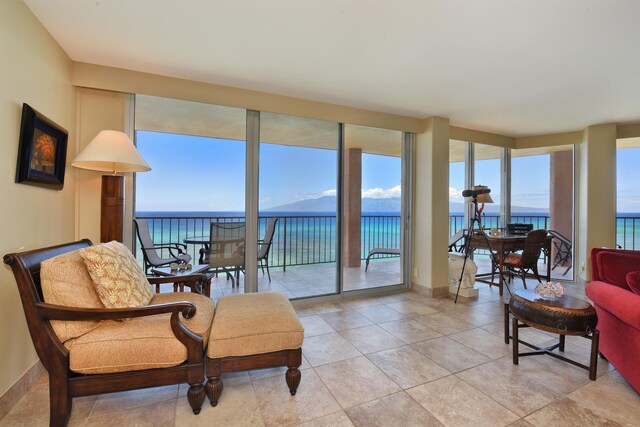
(64, 382)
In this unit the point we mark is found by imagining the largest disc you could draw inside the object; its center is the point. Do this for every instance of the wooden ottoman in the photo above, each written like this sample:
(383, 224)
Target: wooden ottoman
(253, 331)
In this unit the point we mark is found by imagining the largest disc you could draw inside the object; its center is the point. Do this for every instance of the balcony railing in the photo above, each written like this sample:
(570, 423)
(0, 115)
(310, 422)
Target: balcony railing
(298, 240)
(456, 222)
(628, 232)
(311, 239)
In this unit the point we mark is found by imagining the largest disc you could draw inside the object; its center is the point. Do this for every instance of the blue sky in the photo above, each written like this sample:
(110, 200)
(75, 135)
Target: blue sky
(628, 180)
(190, 173)
(530, 180)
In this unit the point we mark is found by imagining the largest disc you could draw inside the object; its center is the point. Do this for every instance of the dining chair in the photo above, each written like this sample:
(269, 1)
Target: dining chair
(150, 254)
(528, 259)
(264, 245)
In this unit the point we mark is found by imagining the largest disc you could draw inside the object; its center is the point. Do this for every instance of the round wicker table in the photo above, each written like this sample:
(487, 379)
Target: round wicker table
(565, 315)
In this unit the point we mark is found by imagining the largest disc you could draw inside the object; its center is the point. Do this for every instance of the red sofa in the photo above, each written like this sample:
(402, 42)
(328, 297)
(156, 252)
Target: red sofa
(618, 308)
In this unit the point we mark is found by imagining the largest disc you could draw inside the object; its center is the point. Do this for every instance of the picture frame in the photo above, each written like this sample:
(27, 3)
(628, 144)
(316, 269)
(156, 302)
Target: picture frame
(42, 151)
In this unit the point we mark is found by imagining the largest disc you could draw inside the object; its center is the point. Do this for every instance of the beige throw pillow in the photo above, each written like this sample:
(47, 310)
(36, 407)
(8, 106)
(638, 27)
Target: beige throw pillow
(117, 277)
(66, 281)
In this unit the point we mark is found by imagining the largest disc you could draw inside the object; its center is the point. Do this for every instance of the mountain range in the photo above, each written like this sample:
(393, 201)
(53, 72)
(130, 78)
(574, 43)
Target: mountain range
(391, 204)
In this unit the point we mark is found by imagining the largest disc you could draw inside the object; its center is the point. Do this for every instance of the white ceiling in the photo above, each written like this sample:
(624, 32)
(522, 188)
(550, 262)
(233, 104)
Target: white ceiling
(513, 67)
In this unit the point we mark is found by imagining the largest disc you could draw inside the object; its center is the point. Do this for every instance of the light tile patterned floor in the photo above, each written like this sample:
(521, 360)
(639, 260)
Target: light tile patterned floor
(400, 359)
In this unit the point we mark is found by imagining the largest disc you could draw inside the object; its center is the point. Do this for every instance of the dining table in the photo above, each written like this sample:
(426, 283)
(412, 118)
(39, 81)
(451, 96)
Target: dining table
(502, 244)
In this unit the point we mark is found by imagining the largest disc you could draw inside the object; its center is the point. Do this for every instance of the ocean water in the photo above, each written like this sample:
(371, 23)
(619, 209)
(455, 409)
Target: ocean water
(300, 238)
(310, 237)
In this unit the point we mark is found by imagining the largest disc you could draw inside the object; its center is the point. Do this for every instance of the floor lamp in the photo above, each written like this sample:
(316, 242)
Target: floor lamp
(111, 151)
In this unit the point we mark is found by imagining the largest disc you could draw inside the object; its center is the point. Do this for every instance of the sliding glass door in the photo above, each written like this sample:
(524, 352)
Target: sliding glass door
(297, 206)
(197, 157)
(372, 189)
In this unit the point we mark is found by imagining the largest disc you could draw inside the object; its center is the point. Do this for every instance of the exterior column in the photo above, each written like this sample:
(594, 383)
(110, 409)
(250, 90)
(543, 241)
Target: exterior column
(596, 194)
(431, 209)
(561, 195)
(352, 207)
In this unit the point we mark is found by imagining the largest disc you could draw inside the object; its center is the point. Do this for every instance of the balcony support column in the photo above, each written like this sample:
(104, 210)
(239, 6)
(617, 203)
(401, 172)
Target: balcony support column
(352, 207)
(561, 195)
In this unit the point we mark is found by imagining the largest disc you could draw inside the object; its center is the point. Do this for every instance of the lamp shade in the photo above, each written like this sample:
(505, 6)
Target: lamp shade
(483, 198)
(111, 151)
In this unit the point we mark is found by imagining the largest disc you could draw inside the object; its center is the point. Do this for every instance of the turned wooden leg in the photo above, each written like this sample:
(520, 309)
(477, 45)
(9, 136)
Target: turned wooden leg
(195, 396)
(293, 379)
(214, 389)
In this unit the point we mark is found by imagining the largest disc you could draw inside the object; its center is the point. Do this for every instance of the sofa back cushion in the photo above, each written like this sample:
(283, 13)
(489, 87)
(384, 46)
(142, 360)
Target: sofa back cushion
(613, 266)
(66, 281)
(117, 277)
(633, 281)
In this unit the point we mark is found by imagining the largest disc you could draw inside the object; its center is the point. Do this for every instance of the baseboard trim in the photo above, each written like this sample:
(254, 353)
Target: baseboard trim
(440, 292)
(9, 399)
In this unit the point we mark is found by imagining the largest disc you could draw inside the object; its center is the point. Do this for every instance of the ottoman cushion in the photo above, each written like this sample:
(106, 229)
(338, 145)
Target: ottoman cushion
(251, 324)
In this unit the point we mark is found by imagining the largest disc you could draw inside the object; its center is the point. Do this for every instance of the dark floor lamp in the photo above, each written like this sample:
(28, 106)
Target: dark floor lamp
(111, 151)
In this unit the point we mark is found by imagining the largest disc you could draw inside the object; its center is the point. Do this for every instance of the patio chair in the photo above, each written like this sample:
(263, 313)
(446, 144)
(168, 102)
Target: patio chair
(528, 259)
(458, 241)
(563, 250)
(150, 250)
(226, 249)
(264, 245)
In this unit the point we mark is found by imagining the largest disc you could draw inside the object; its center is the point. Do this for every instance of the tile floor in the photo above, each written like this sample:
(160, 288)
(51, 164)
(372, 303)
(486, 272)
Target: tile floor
(399, 359)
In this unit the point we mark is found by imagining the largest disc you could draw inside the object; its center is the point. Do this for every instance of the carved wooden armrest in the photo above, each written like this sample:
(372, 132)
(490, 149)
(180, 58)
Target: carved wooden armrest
(61, 312)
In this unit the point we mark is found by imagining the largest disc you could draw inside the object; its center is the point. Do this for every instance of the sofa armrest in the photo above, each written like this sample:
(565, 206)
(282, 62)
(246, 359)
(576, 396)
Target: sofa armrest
(623, 304)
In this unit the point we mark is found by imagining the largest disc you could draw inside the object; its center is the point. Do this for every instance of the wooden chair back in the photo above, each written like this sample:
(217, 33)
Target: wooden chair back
(26, 269)
(533, 247)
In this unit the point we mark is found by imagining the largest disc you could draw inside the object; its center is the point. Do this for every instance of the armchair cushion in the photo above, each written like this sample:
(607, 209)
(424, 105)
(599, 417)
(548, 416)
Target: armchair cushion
(117, 277)
(633, 281)
(66, 281)
(142, 342)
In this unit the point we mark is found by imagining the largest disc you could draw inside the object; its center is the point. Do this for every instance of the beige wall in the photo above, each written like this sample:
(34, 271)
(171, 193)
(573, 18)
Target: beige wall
(128, 81)
(36, 71)
(431, 208)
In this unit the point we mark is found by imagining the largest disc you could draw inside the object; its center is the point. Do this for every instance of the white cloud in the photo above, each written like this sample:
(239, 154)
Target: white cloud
(379, 193)
(455, 194)
(307, 196)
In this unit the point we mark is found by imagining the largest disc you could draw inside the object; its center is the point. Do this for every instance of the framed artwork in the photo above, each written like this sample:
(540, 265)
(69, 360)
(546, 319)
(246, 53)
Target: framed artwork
(42, 151)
